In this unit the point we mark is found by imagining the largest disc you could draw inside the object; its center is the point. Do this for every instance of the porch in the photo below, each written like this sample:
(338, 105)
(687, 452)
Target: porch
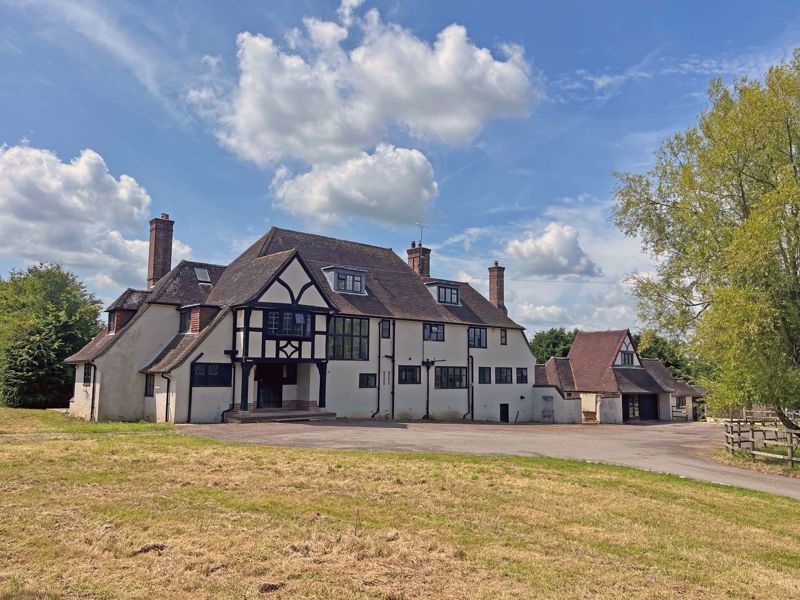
(280, 390)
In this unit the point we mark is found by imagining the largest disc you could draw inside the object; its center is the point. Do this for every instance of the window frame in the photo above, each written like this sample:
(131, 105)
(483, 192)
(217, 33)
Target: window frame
(387, 325)
(87, 371)
(149, 385)
(367, 380)
(336, 340)
(344, 282)
(415, 369)
(504, 337)
(522, 374)
(484, 375)
(448, 294)
(680, 401)
(200, 376)
(185, 323)
(502, 379)
(427, 332)
(483, 337)
(626, 358)
(274, 321)
(455, 378)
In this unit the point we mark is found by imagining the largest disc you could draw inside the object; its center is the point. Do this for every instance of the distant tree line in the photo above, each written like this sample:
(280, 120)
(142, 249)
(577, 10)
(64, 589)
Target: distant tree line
(675, 355)
(46, 314)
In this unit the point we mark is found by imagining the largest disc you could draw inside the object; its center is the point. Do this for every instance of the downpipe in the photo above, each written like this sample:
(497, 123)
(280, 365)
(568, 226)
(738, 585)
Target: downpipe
(166, 407)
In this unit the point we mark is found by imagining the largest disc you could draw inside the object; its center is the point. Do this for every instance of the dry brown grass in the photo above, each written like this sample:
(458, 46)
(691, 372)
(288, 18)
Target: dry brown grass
(745, 461)
(146, 513)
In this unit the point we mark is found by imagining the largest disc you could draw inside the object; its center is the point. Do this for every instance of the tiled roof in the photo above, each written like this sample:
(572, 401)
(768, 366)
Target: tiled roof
(559, 373)
(393, 288)
(592, 357)
(97, 346)
(636, 380)
(684, 389)
(130, 299)
(181, 287)
(660, 373)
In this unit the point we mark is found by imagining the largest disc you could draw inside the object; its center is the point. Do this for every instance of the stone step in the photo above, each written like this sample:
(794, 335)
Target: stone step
(279, 416)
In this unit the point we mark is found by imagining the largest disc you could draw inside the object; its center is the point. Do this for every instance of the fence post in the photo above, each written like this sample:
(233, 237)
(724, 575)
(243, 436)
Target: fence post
(790, 448)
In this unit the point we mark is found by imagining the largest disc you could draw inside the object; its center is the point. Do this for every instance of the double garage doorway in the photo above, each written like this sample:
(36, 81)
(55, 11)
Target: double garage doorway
(639, 407)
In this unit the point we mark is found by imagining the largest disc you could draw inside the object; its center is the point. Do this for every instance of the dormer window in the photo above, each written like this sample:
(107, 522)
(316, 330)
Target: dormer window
(448, 294)
(202, 275)
(349, 282)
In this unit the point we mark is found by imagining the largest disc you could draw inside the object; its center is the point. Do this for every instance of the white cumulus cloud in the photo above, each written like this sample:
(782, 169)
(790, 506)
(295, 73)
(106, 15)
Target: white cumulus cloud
(557, 251)
(75, 213)
(313, 100)
(393, 185)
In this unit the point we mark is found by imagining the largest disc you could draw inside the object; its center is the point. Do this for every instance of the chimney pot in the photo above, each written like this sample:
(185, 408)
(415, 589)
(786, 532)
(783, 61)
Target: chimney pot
(159, 260)
(413, 244)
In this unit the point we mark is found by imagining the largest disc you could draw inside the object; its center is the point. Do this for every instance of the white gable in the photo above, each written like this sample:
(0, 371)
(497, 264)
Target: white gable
(294, 285)
(627, 346)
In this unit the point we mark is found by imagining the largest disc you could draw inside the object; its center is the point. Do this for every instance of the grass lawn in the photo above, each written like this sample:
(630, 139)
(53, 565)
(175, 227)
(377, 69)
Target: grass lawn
(138, 511)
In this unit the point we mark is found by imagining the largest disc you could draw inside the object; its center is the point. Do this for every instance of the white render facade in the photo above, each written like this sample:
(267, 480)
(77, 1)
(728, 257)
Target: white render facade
(290, 326)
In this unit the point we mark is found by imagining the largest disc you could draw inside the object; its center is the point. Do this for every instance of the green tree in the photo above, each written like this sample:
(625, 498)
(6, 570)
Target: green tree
(46, 314)
(673, 353)
(720, 210)
(552, 342)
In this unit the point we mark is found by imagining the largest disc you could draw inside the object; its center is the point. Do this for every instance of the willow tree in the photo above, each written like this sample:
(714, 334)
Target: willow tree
(720, 212)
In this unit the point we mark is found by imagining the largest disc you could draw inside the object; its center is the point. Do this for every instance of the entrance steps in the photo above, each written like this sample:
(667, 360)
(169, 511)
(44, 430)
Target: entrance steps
(278, 415)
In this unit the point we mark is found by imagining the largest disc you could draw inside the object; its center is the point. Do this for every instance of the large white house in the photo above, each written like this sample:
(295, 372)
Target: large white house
(306, 322)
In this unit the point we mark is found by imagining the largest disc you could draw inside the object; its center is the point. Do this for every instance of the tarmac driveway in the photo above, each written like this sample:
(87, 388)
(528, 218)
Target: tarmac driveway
(675, 448)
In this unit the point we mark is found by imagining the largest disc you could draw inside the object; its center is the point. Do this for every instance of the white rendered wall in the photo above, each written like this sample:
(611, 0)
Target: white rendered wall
(609, 409)
(80, 405)
(122, 394)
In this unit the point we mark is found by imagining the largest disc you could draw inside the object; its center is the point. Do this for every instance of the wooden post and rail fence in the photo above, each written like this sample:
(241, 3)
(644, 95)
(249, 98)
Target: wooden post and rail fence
(758, 430)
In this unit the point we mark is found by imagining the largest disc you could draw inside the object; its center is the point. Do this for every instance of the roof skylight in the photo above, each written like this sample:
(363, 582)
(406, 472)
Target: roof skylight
(202, 275)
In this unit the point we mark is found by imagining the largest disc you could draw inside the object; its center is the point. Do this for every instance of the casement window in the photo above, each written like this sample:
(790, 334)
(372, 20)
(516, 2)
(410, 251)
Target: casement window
(87, 374)
(348, 338)
(448, 295)
(186, 321)
(149, 385)
(522, 375)
(352, 283)
(288, 323)
(504, 337)
(484, 374)
(680, 402)
(408, 374)
(502, 375)
(449, 378)
(477, 337)
(112, 322)
(386, 329)
(433, 332)
(367, 380)
(211, 375)
(626, 358)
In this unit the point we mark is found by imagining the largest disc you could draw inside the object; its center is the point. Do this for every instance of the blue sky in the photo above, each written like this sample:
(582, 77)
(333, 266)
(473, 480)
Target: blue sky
(497, 124)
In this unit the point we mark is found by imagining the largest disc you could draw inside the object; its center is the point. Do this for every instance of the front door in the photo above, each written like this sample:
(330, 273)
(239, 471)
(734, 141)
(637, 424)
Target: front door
(504, 413)
(270, 386)
(547, 409)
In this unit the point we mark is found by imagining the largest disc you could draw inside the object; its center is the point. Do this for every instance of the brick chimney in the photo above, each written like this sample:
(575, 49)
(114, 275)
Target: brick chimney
(497, 287)
(419, 259)
(159, 261)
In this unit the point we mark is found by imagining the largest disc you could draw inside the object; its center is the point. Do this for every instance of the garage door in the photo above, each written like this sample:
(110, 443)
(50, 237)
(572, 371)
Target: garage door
(639, 407)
